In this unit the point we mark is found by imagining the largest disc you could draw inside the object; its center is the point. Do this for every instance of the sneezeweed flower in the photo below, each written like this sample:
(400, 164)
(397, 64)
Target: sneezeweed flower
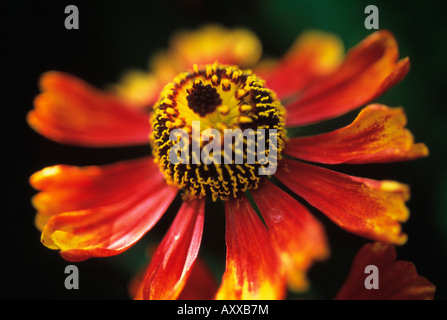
(396, 279)
(98, 211)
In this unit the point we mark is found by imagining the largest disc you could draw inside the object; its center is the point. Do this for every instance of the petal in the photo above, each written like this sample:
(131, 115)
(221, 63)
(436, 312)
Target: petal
(298, 237)
(72, 112)
(370, 68)
(369, 208)
(216, 43)
(172, 262)
(71, 188)
(313, 55)
(140, 88)
(397, 280)
(201, 285)
(376, 135)
(252, 264)
(203, 46)
(99, 211)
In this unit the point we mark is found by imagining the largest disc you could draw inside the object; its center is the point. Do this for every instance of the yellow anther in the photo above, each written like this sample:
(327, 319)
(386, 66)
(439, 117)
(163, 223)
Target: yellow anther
(209, 70)
(170, 111)
(226, 85)
(167, 101)
(245, 119)
(223, 109)
(245, 107)
(178, 122)
(240, 93)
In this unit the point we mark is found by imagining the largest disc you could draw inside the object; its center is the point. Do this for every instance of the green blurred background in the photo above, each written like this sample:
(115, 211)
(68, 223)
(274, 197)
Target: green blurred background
(115, 36)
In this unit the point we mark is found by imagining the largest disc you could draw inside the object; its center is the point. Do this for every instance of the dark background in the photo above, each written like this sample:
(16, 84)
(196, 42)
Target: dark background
(115, 36)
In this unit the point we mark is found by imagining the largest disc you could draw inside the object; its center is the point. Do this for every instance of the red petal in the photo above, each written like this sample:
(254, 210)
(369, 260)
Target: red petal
(397, 280)
(99, 211)
(313, 55)
(172, 262)
(366, 207)
(376, 135)
(71, 111)
(370, 69)
(201, 284)
(252, 264)
(298, 237)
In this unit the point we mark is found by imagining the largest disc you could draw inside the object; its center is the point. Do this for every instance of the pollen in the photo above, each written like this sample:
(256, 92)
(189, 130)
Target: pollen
(214, 128)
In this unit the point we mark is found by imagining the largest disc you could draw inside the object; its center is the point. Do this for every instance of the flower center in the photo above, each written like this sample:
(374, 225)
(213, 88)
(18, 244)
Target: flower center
(217, 131)
(203, 99)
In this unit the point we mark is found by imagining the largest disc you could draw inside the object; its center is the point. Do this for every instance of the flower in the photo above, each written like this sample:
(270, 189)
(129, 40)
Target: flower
(396, 279)
(98, 211)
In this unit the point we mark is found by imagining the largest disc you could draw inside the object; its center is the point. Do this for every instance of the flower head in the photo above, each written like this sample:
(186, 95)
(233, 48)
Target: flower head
(196, 92)
(220, 99)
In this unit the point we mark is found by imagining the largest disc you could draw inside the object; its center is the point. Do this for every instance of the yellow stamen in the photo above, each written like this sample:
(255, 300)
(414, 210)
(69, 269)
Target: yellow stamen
(245, 119)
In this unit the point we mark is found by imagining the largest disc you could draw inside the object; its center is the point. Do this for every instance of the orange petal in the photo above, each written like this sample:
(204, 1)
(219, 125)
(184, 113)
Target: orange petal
(216, 43)
(297, 236)
(313, 55)
(397, 280)
(369, 208)
(252, 264)
(72, 112)
(376, 135)
(70, 188)
(99, 210)
(140, 88)
(370, 68)
(172, 262)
